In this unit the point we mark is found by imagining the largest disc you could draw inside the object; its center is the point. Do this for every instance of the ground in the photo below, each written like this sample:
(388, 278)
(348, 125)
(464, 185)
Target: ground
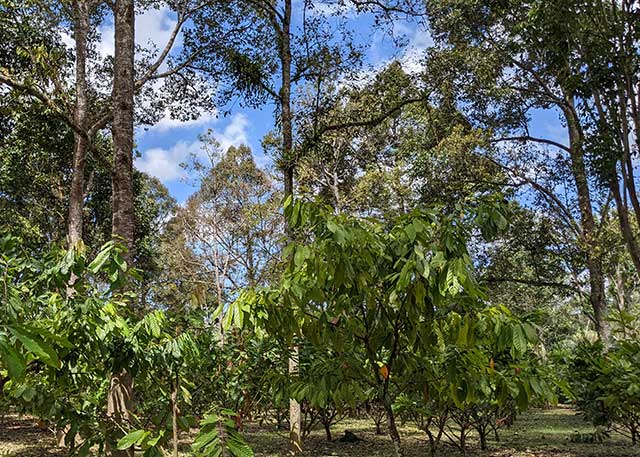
(538, 433)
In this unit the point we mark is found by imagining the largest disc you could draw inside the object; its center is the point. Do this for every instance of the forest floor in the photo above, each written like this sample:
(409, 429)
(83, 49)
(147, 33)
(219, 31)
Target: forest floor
(538, 433)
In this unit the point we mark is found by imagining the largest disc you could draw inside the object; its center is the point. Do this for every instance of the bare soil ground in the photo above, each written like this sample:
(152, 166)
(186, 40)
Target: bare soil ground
(538, 433)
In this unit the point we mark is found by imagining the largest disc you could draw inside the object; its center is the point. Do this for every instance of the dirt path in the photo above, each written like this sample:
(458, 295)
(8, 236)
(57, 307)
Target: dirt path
(21, 437)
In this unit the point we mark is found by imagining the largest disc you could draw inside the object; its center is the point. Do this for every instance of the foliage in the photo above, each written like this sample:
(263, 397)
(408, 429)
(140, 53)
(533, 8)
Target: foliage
(60, 343)
(217, 432)
(386, 301)
(606, 385)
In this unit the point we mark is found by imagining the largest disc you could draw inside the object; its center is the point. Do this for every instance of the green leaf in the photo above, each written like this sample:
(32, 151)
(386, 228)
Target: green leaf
(100, 259)
(131, 439)
(519, 339)
(302, 253)
(122, 264)
(183, 423)
(36, 345)
(13, 361)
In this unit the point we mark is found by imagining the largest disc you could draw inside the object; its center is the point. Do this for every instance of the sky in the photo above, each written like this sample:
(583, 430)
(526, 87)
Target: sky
(163, 147)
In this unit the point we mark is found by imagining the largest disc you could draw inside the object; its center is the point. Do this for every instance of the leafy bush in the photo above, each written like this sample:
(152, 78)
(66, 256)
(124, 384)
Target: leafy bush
(67, 325)
(606, 385)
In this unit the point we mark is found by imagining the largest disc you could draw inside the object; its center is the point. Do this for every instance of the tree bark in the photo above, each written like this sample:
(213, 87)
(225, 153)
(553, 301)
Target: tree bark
(123, 222)
(120, 400)
(326, 423)
(295, 411)
(625, 225)
(589, 230)
(393, 429)
(76, 195)
(119, 404)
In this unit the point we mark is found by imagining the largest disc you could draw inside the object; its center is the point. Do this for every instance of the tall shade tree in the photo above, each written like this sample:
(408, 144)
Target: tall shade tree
(513, 58)
(120, 399)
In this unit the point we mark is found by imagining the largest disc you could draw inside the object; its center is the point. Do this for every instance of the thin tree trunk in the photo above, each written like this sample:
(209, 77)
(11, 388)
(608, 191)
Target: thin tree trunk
(625, 225)
(327, 430)
(174, 415)
(589, 231)
(120, 400)
(295, 412)
(76, 195)
(393, 429)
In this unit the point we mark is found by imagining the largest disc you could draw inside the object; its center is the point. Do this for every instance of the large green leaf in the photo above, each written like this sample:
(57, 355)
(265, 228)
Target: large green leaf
(35, 344)
(519, 339)
(101, 258)
(131, 439)
(13, 360)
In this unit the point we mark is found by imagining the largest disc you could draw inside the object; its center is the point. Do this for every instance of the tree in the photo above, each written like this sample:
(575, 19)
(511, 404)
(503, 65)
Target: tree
(515, 58)
(35, 65)
(229, 230)
(265, 56)
(357, 280)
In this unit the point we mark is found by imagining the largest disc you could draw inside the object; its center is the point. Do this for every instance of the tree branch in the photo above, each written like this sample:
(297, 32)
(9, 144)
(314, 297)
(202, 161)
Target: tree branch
(525, 138)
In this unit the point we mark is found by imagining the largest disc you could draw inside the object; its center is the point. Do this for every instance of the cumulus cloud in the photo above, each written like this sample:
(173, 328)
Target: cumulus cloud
(415, 39)
(413, 55)
(153, 28)
(235, 133)
(167, 123)
(164, 163)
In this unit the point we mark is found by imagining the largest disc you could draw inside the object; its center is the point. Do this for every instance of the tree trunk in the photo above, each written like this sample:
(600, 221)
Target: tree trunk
(81, 143)
(482, 433)
(625, 225)
(174, 415)
(123, 222)
(393, 430)
(295, 412)
(378, 427)
(119, 404)
(122, 198)
(76, 195)
(327, 430)
(589, 231)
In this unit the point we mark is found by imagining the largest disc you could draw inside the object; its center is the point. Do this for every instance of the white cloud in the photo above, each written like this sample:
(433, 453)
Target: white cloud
(415, 39)
(235, 133)
(167, 123)
(106, 45)
(413, 55)
(153, 27)
(67, 39)
(165, 163)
